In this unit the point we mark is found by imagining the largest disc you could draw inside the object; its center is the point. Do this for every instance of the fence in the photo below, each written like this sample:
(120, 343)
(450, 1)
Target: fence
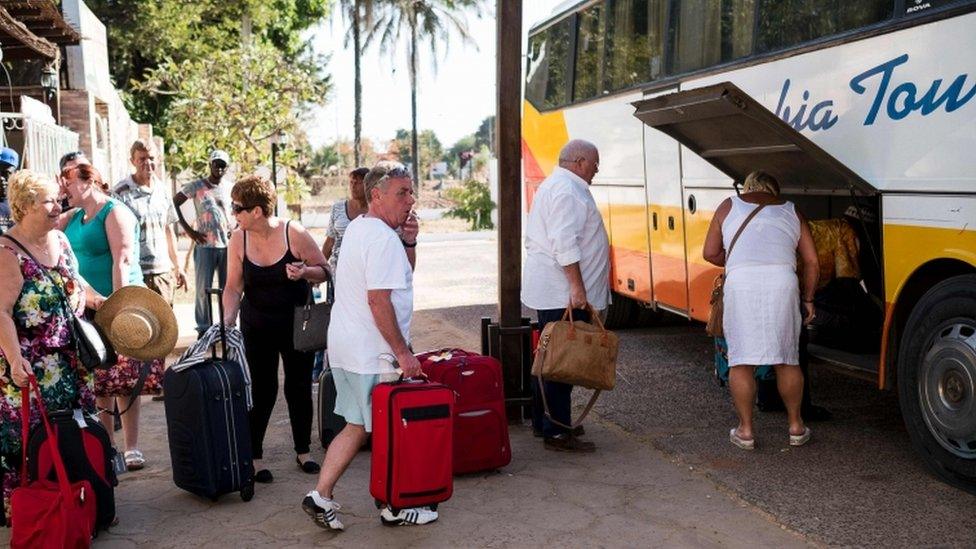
(41, 143)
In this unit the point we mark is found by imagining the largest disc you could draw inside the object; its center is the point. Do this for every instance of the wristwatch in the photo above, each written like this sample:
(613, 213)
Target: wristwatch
(409, 244)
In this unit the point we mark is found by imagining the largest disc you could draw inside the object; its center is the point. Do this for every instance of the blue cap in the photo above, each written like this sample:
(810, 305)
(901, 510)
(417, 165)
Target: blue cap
(10, 156)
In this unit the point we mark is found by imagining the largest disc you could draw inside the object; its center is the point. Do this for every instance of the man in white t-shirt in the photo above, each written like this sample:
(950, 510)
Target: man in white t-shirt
(369, 332)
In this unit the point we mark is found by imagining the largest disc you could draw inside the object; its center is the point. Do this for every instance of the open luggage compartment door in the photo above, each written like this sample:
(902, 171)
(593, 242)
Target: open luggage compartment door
(737, 135)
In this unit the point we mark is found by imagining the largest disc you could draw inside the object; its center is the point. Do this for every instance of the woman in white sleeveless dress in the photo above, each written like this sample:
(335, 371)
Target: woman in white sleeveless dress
(763, 297)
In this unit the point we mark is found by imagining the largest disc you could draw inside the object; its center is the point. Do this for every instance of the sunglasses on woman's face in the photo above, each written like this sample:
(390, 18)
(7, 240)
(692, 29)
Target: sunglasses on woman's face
(238, 208)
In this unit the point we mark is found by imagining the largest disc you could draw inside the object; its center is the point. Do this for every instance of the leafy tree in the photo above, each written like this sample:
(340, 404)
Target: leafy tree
(485, 136)
(358, 15)
(144, 35)
(474, 204)
(234, 99)
(415, 20)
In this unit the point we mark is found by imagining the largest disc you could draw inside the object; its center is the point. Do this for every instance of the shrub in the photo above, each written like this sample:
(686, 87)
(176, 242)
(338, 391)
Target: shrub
(473, 203)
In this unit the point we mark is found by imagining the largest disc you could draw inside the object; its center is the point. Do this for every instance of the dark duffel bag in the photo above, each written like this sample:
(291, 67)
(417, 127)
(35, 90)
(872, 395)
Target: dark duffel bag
(87, 453)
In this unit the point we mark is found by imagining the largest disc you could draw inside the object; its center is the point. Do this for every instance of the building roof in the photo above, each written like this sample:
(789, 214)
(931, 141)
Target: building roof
(34, 28)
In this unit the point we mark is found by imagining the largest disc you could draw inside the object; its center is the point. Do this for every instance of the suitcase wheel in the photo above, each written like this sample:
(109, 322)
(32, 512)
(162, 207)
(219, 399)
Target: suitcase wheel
(378, 503)
(247, 492)
(433, 507)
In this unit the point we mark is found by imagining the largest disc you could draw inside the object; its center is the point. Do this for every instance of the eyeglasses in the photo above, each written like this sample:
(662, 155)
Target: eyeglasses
(238, 208)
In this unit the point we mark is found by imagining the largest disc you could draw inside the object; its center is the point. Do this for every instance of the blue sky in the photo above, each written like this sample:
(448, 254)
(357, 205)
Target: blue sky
(452, 101)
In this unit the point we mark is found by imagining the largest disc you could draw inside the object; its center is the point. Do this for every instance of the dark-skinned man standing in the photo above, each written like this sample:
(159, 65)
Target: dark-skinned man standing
(211, 231)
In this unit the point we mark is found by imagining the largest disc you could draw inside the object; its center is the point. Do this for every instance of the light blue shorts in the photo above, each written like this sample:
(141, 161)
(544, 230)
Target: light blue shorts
(354, 392)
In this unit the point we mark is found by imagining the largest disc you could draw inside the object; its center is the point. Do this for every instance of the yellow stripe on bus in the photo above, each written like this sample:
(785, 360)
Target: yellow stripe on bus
(544, 134)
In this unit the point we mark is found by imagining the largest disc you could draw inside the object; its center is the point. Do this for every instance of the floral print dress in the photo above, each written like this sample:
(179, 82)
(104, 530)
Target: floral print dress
(44, 330)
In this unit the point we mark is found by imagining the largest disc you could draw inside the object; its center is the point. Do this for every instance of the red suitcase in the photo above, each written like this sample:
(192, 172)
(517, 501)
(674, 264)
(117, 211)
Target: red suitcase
(480, 426)
(412, 440)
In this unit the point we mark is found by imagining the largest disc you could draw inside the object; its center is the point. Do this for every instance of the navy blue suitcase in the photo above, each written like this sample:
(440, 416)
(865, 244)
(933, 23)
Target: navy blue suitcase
(207, 425)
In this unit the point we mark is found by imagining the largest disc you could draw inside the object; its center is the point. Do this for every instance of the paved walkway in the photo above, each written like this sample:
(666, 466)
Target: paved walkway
(627, 494)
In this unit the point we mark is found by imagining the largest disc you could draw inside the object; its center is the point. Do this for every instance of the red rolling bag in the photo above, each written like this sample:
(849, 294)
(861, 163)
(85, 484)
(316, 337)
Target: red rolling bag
(413, 424)
(480, 425)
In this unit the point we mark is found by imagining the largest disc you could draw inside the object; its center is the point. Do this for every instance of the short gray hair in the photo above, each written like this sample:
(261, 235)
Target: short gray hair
(576, 149)
(380, 174)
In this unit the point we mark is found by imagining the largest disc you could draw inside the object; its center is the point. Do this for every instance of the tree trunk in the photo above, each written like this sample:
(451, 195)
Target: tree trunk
(357, 124)
(413, 103)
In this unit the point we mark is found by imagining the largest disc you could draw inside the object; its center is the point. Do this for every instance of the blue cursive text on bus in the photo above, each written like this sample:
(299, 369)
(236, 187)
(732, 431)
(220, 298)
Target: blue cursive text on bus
(821, 117)
(904, 98)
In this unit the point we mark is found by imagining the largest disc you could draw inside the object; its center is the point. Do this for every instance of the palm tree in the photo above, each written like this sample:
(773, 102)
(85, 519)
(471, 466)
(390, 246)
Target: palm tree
(359, 14)
(434, 20)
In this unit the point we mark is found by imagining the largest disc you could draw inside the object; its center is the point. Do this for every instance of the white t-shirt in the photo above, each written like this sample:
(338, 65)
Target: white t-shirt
(372, 258)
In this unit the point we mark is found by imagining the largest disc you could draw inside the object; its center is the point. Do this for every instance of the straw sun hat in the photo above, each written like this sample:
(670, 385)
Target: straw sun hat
(139, 323)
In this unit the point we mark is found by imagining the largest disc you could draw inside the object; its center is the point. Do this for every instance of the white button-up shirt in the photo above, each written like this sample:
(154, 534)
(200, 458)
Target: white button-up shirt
(564, 227)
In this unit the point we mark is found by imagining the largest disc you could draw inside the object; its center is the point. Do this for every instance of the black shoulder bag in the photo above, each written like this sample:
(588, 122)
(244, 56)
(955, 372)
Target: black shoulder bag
(94, 349)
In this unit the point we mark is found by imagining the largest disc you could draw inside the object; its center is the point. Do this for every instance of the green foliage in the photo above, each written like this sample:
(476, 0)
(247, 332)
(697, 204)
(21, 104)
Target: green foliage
(296, 190)
(145, 35)
(485, 134)
(234, 99)
(474, 204)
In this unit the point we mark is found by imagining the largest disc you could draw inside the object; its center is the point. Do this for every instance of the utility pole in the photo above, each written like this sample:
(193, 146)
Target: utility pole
(508, 147)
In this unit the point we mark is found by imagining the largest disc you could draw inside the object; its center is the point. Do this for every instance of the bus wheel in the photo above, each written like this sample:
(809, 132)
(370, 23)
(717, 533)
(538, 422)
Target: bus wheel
(621, 313)
(937, 380)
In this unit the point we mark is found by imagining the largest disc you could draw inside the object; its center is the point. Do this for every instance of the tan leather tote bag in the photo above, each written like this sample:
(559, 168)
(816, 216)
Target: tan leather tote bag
(577, 353)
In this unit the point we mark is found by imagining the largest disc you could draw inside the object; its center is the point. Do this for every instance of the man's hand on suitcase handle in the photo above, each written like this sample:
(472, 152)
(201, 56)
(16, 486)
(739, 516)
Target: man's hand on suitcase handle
(409, 366)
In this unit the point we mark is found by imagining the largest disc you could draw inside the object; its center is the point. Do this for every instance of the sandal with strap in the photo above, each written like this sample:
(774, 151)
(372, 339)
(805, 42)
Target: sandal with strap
(134, 460)
(745, 444)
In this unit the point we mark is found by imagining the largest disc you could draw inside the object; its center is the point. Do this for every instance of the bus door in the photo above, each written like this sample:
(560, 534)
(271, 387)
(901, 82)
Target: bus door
(665, 218)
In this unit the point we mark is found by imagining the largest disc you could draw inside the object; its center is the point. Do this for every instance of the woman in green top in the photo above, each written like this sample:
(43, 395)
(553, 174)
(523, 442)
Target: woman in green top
(104, 235)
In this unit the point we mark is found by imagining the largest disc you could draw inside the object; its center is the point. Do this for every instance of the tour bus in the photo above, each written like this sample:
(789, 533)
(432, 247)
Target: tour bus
(863, 110)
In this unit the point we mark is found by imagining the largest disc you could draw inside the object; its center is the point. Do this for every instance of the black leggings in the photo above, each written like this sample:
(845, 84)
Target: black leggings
(264, 343)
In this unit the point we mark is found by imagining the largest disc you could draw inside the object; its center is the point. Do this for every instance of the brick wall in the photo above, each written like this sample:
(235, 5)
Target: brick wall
(77, 116)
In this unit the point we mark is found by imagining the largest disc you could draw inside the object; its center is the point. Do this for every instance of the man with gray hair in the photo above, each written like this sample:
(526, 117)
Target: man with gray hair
(369, 333)
(567, 264)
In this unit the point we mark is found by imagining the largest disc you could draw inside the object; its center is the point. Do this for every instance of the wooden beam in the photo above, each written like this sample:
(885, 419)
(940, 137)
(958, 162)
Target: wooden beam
(508, 139)
(19, 32)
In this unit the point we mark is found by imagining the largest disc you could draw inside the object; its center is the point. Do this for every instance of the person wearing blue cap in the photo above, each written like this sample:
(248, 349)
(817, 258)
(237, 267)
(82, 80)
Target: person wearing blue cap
(9, 162)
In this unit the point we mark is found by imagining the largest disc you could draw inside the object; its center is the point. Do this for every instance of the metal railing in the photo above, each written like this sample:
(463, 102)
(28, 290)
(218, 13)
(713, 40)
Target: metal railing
(41, 143)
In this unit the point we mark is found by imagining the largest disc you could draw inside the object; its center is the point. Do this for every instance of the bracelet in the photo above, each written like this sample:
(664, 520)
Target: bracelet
(409, 244)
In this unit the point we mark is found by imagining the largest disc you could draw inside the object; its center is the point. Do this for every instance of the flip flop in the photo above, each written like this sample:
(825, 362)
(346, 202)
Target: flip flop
(801, 439)
(745, 444)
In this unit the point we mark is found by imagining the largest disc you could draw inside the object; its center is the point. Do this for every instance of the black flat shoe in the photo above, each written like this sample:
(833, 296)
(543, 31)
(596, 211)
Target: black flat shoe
(309, 466)
(264, 476)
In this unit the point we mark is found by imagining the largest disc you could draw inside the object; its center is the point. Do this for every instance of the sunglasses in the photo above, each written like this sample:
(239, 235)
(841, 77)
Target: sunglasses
(69, 157)
(238, 208)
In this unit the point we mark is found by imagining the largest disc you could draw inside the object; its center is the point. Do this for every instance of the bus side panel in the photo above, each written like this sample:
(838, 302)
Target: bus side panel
(665, 218)
(701, 274)
(629, 251)
(919, 229)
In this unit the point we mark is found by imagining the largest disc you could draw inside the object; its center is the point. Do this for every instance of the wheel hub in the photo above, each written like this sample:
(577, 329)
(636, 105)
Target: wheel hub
(947, 388)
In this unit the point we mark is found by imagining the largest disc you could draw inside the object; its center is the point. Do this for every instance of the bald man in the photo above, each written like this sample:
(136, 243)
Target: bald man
(567, 263)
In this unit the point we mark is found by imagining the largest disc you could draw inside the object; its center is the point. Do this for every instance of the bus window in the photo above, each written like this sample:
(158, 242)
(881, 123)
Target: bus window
(635, 42)
(785, 23)
(547, 84)
(589, 54)
(711, 32)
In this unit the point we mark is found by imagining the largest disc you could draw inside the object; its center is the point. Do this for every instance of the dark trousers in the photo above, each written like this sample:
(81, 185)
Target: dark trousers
(558, 395)
(263, 345)
(207, 261)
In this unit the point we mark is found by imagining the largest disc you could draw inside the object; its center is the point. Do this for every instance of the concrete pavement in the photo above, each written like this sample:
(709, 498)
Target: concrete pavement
(626, 494)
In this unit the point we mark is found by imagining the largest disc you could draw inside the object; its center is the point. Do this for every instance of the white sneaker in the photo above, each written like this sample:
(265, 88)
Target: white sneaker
(322, 510)
(409, 517)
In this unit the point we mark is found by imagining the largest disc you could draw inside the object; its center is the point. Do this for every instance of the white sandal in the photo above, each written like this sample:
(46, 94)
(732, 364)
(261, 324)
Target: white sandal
(134, 460)
(801, 439)
(745, 444)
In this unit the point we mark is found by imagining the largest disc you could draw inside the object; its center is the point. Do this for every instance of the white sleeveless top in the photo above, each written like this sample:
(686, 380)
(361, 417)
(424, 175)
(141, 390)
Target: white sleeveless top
(769, 239)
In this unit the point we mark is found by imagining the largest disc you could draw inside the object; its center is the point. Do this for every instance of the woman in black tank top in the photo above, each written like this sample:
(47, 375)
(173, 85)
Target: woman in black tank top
(270, 264)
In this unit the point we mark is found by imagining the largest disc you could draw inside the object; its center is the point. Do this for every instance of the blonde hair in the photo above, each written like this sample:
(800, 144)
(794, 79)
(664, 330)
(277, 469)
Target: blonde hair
(24, 187)
(253, 191)
(761, 182)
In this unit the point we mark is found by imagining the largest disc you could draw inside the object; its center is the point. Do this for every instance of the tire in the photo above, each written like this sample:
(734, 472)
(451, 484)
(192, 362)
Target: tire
(621, 313)
(937, 380)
